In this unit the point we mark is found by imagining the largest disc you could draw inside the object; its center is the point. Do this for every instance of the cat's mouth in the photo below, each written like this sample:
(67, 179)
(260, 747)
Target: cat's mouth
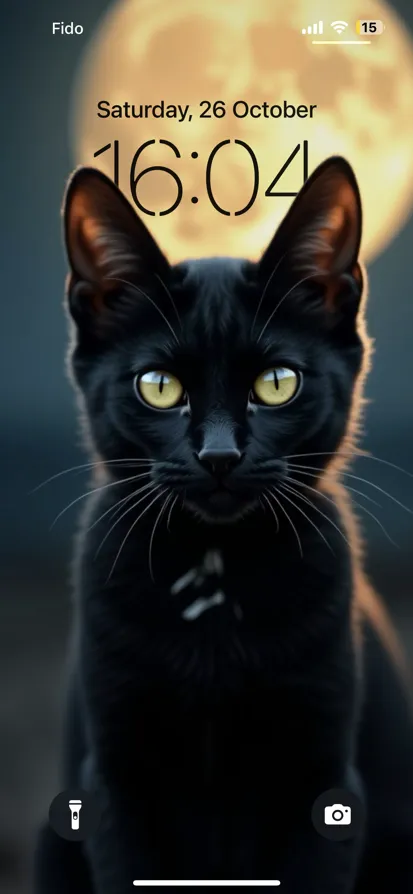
(221, 497)
(221, 504)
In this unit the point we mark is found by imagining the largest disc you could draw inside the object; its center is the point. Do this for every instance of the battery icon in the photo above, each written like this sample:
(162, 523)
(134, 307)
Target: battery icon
(369, 26)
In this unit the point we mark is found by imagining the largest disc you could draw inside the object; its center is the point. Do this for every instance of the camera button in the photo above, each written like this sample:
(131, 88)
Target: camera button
(338, 814)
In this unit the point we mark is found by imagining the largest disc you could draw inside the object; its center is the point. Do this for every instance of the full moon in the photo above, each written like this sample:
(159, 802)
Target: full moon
(187, 52)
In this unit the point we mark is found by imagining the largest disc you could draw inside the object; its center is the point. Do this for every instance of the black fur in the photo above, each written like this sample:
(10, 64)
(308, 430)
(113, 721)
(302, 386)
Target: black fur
(210, 738)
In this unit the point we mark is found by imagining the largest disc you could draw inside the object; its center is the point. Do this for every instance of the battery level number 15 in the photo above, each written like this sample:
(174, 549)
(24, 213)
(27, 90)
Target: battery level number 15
(366, 26)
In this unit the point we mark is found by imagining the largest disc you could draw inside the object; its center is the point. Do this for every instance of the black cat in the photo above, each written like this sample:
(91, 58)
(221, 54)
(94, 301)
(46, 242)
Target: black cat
(229, 664)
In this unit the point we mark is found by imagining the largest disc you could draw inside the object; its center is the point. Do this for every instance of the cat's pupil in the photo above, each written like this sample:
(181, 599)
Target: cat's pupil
(161, 384)
(276, 384)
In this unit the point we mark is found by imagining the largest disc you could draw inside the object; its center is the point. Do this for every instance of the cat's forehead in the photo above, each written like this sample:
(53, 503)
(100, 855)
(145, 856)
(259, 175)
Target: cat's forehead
(215, 292)
(215, 270)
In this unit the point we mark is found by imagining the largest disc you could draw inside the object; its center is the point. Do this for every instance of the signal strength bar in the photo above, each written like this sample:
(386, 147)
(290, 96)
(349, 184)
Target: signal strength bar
(317, 28)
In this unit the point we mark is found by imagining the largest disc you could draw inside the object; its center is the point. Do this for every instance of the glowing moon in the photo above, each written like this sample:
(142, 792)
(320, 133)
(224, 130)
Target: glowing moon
(185, 51)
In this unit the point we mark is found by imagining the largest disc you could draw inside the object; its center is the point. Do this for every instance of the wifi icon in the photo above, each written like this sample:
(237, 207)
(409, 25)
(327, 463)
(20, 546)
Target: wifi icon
(339, 26)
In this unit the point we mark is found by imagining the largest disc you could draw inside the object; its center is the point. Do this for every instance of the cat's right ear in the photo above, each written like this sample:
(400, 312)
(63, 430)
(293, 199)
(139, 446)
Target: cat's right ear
(108, 247)
(319, 240)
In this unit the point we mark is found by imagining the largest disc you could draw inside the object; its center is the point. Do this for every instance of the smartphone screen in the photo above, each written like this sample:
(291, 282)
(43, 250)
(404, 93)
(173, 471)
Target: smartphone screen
(206, 620)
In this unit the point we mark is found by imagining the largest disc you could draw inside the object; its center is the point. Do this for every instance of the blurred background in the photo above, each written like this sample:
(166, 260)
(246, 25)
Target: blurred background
(49, 85)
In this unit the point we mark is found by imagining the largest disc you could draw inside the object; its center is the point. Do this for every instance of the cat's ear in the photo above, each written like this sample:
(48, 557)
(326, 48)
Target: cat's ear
(107, 244)
(319, 238)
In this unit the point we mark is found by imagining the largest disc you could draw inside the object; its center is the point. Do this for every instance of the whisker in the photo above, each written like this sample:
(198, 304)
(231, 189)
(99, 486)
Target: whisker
(129, 509)
(300, 496)
(378, 522)
(295, 286)
(264, 291)
(168, 498)
(115, 509)
(321, 493)
(355, 502)
(137, 289)
(132, 527)
(357, 478)
(357, 453)
(288, 519)
(316, 509)
(170, 513)
(273, 512)
(170, 298)
(91, 465)
(94, 491)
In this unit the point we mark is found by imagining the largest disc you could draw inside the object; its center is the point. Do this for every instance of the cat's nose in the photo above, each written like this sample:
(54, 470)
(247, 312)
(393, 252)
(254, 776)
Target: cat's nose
(219, 461)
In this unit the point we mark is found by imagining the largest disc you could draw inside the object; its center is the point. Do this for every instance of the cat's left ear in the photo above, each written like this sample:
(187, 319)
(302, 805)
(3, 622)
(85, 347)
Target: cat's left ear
(319, 238)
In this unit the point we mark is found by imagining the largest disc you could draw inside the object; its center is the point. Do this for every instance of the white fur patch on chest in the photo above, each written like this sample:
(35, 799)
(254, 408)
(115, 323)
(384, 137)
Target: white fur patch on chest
(212, 565)
(197, 608)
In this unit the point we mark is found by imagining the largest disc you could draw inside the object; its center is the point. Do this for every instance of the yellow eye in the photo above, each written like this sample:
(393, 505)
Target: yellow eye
(160, 389)
(276, 386)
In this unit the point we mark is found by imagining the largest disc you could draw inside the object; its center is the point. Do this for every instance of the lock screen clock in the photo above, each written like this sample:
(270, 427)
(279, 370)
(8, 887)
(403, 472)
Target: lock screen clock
(136, 175)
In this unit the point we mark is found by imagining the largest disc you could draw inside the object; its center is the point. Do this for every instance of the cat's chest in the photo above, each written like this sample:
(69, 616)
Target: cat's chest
(213, 623)
(200, 639)
(207, 588)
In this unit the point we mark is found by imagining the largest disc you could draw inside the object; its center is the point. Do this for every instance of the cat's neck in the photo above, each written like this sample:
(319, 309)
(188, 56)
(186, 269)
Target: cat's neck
(161, 552)
(214, 581)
